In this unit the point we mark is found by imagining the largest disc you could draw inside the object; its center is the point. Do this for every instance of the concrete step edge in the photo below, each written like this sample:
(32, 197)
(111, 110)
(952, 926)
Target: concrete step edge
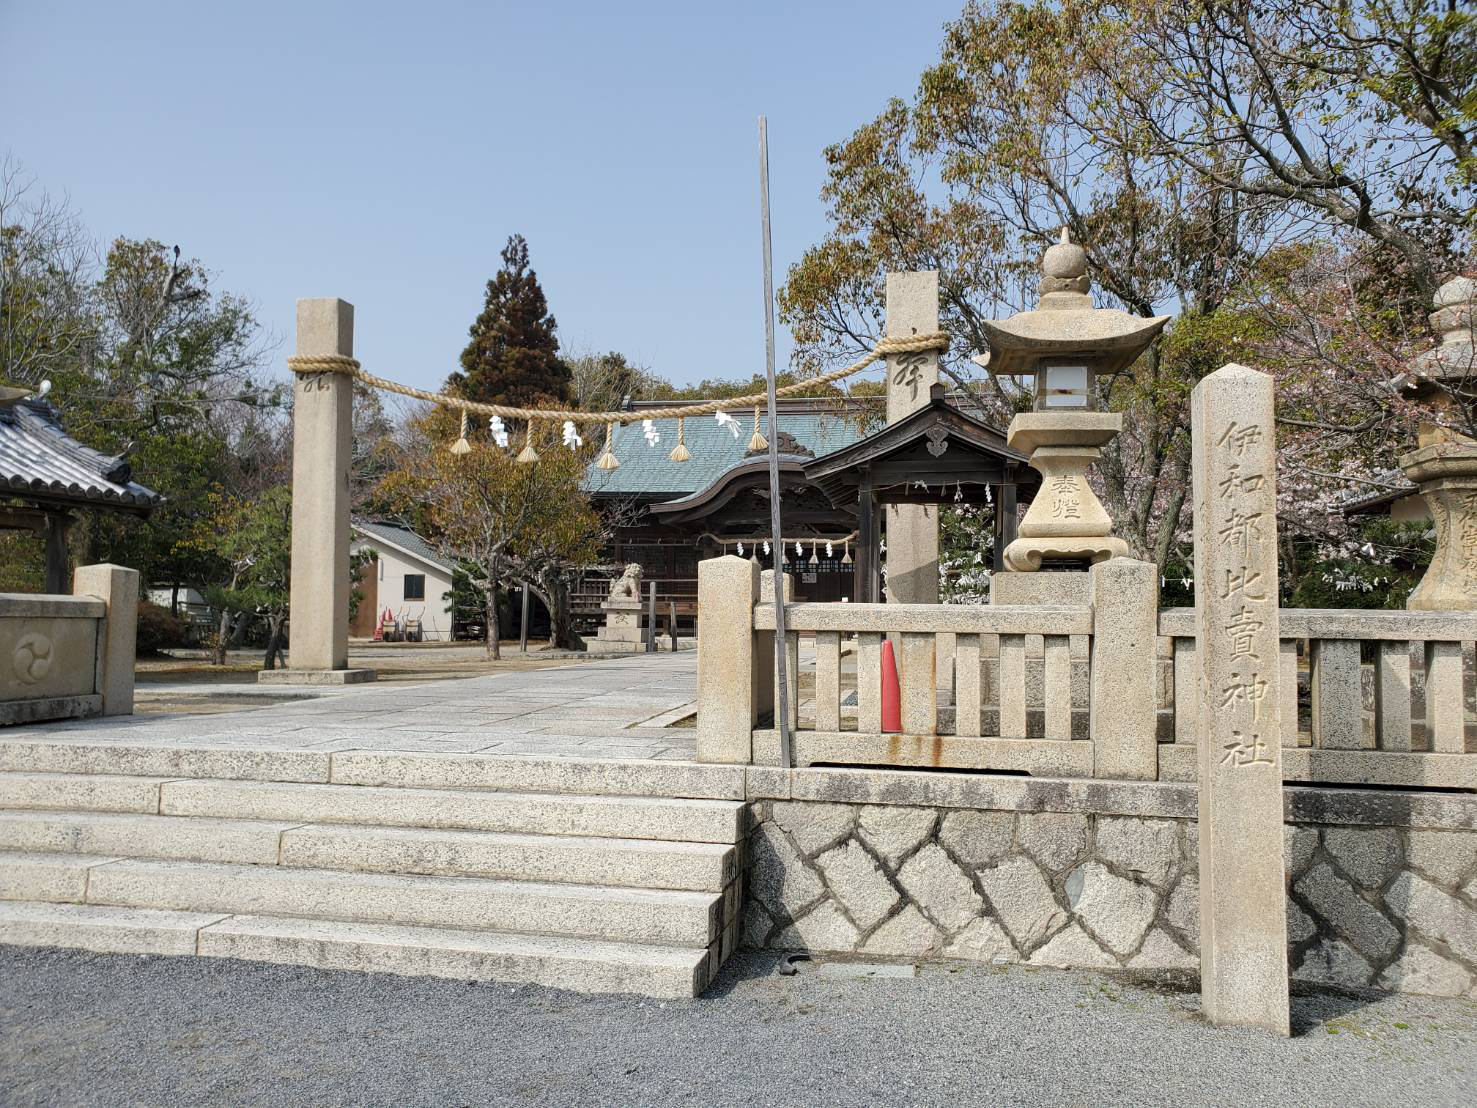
(662, 916)
(572, 859)
(578, 964)
(652, 818)
(604, 777)
(561, 859)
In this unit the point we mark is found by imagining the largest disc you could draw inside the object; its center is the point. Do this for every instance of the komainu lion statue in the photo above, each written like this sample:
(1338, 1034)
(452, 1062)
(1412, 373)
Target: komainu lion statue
(628, 585)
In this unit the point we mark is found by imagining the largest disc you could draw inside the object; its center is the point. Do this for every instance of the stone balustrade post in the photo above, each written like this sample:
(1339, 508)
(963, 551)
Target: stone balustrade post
(732, 673)
(1125, 629)
(117, 587)
(764, 647)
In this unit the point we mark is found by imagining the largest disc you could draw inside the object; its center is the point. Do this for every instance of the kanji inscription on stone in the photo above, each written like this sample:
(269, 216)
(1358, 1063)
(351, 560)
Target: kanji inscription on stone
(1243, 902)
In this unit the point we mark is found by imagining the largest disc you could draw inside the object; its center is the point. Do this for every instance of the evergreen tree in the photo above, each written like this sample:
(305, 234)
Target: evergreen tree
(513, 357)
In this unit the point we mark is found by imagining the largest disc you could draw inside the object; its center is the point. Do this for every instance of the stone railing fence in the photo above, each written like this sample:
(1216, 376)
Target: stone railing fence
(1057, 690)
(1075, 690)
(1369, 697)
(63, 657)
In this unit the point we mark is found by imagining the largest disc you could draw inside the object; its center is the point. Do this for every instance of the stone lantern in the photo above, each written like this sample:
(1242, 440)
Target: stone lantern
(1444, 464)
(1062, 348)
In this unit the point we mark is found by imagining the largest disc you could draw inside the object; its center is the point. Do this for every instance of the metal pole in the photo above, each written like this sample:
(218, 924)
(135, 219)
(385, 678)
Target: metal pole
(672, 622)
(523, 625)
(777, 543)
(651, 617)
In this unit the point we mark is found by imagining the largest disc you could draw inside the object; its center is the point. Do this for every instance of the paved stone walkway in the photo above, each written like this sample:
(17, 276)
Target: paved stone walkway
(605, 709)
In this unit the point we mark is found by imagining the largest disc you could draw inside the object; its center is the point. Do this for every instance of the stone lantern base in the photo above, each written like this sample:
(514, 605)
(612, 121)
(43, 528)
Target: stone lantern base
(1446, 474)
(1066, 522)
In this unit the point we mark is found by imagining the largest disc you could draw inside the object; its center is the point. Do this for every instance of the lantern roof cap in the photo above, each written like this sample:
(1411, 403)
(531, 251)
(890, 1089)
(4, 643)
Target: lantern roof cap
(1065, 323)
(1451, 366)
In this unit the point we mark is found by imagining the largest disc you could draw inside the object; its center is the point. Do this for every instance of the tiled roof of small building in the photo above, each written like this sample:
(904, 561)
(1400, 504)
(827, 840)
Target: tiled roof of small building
(1364, 499)
(647, 469)
(403, 538)
(40, 462)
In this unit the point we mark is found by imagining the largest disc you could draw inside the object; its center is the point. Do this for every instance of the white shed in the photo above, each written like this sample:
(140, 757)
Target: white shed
(408, 578)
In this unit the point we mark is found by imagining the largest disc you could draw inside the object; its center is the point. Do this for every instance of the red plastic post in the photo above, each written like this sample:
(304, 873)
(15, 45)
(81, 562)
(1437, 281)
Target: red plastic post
(892, 709)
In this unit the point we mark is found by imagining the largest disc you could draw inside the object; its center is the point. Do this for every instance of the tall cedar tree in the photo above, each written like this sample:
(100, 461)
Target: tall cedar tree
(513, 357)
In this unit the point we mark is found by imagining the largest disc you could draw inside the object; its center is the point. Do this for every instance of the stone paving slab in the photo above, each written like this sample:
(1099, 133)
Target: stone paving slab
(600, 710)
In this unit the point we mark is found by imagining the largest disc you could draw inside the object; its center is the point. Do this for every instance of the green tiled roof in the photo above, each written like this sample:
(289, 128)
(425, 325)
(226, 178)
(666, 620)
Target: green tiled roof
(647, 469)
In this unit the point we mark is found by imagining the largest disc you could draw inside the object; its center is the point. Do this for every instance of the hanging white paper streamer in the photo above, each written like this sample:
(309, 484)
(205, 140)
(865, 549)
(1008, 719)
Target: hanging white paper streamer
(498, 431)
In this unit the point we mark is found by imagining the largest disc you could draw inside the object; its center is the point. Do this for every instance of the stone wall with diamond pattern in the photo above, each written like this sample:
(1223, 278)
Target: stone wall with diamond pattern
(1391, 907)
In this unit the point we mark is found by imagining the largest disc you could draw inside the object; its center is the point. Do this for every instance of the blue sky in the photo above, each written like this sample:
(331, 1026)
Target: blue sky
(384, 153)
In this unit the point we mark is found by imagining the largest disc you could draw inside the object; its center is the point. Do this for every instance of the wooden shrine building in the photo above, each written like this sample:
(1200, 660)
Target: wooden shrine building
(839, 464)
(938, 454)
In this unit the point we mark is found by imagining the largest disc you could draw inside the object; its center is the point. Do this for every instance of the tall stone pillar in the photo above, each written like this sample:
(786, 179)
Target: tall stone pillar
(912, 529)
(1243, 898)
(322, 440)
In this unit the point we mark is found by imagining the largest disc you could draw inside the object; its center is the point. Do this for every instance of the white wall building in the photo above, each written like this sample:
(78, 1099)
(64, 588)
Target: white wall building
(408, 578)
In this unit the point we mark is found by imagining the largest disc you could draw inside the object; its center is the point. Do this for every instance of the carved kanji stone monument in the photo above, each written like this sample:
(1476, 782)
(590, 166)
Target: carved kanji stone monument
(1243, 900)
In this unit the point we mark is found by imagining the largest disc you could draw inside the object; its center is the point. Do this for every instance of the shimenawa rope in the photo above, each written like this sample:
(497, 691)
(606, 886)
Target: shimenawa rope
(350, 367)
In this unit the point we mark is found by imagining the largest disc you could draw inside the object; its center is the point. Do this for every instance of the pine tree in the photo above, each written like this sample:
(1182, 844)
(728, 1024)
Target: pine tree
(513, 357)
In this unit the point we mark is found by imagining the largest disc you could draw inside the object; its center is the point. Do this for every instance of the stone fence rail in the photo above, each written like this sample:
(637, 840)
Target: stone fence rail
(1385, 695)
(1412, 671)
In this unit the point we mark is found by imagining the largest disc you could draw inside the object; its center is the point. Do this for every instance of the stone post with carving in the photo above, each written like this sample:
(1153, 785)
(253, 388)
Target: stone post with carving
(1243, 898)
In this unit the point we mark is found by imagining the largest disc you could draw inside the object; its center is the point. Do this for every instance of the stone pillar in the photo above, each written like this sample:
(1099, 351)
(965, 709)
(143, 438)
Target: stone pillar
(1243, 900)
(1124, 704)
(117, 587)
(731, 671)
(912, 529)
(322, 440)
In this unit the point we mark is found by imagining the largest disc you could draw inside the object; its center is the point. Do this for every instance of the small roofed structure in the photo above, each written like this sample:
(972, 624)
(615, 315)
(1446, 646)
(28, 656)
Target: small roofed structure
(46, 475)
(935, 455)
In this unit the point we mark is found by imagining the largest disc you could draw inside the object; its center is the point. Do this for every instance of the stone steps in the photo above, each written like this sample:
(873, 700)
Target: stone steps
(461, 866)
(635, 863)
(591, 966)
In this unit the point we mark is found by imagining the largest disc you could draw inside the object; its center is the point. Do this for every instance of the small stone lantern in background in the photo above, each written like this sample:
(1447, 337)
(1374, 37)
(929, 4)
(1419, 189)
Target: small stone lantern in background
(1063, 347)
(1444, 464)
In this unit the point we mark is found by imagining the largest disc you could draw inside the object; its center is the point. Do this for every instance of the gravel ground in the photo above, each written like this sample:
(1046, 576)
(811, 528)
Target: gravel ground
(92, 1029)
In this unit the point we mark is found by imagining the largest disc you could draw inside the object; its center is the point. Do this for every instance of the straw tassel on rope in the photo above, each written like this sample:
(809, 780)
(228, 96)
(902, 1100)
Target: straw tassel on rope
(608, 460)
(680, 453)
(756, 440)
(528, 453)
(462, 446)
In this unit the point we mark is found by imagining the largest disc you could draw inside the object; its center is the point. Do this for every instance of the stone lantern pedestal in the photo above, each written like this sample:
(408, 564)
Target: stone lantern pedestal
(1066, 522)
(1446, 474)
(1444, 464)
